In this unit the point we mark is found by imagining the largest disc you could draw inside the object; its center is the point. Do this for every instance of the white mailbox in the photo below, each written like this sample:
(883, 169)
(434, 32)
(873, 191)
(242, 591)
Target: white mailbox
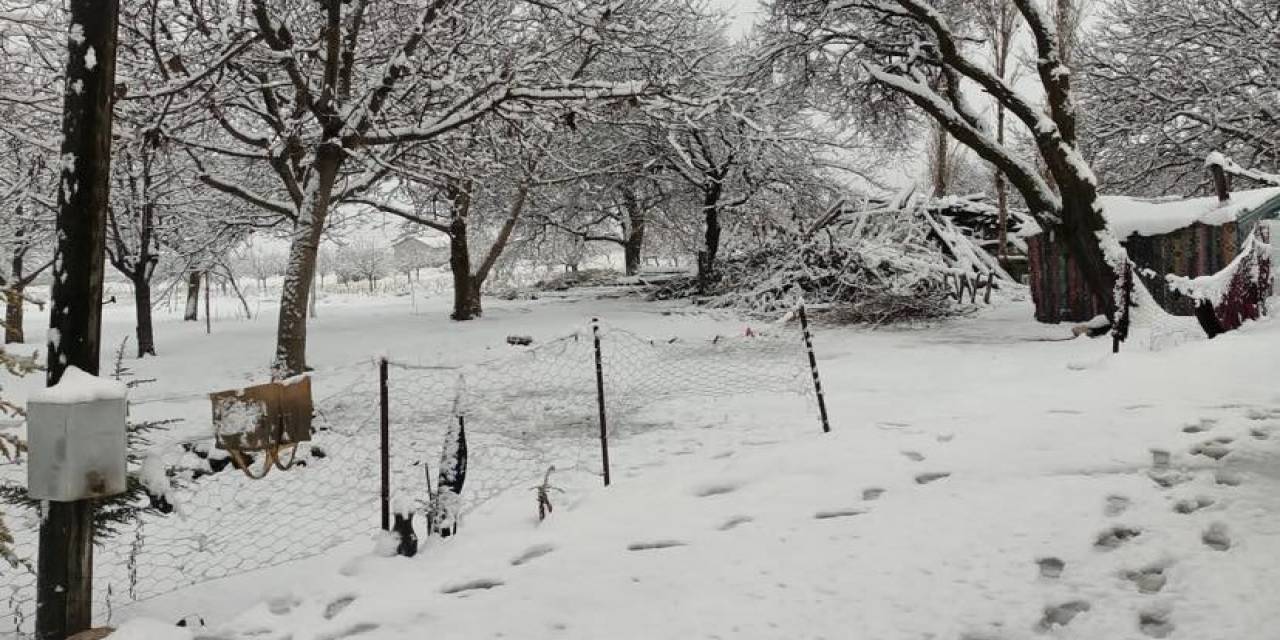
(76, 438)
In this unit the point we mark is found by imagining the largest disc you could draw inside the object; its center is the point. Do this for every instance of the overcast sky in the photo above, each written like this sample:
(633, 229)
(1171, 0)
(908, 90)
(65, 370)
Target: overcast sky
(743, 12)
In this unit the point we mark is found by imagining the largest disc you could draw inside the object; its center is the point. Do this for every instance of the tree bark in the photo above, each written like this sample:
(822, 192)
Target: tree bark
(142, 313)
(466, 292)
(193, 297)
(13, 311)
(291, 328)
(633, 241)
(13, 316)
(711, 238)
(941, 161)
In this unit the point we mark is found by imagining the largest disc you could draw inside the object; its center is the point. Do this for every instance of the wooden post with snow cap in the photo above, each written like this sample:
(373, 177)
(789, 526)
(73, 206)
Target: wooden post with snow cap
(64, 580)
(813, 368)
(604, 430)
(1221, 182)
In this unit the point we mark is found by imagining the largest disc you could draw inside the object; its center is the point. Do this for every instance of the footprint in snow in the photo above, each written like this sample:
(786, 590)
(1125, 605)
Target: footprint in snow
(715, 489)
(1205, 424)
(837, 513)
(471, 585)
(1260, 434)
(1116, 505)
(914, 456)
(337, 606)
(532, 553)
(1216, 448)
(1061, 615)
(1260, 413)
(1168, 478)
(734, 522)
(1155, 624)
(1051, 567)
(1192, 505)
(1114, 537)
(872, 493)
(926, 478)
(656, 544)
(1149, 580)
(1228, 478)
(354, 630)
(1217, 537)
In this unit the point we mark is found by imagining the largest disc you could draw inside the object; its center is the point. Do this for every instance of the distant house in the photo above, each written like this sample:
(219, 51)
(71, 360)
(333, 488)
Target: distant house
(413, 253)
(1180, 237)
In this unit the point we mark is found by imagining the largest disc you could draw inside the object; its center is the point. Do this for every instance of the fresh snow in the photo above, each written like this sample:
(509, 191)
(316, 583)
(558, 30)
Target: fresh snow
(76, 386)
(1127, 215)
(980, 482)
(1149, 217)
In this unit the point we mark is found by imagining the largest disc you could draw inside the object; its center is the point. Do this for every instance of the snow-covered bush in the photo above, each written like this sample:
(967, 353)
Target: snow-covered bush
(881, 266)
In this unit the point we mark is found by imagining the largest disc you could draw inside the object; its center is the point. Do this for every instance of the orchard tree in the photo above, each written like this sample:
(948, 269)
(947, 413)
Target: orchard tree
(325, 97)
(868, 62)
(26, 232)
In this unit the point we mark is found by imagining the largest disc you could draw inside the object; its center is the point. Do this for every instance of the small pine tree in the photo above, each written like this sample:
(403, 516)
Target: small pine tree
(11, 448)
(114, 514)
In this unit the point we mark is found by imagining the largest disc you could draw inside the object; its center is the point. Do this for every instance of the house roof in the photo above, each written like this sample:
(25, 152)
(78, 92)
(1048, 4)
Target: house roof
(1128, 215)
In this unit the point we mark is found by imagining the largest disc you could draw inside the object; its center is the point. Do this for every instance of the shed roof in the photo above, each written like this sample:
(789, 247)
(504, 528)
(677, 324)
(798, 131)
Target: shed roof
(1127, 215)
(1152, 217)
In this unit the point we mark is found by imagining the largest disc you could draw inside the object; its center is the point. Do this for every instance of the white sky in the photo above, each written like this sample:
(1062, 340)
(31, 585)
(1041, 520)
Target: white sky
(743, 12)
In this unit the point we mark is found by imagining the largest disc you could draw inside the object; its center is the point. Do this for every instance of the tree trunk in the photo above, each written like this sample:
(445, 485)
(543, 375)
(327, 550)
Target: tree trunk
(291, 329)
(13, 311)
(633, 242)
(711, 237)
(941, 161)
(64, 582)
(1002, 193)
(193, 297)
(142, 312)
(13, 315)
(466, 291)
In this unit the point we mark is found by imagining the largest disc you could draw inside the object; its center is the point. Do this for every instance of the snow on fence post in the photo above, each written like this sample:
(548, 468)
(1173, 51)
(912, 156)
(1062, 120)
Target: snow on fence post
(813, 368)
(384, 435)
(604, 431)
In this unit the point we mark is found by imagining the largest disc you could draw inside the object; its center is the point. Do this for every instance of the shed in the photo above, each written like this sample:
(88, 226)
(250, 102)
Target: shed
(1168, 236)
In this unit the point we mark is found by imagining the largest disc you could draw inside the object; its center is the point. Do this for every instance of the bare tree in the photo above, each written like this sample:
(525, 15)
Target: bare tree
(916, 52)
(1166, 82)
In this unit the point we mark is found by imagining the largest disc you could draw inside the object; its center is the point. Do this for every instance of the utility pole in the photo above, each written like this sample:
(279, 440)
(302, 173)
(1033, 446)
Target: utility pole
(64, 585)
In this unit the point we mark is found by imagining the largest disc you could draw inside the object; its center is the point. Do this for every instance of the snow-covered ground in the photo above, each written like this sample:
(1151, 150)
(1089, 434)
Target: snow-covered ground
(979, 483)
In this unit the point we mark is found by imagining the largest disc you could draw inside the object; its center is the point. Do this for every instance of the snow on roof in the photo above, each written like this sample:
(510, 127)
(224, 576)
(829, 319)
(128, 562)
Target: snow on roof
(1153, 217)
(1128, 215)
(76, 386)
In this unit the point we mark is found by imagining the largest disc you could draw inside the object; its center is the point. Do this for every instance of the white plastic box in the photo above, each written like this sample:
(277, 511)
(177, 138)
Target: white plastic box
(76, 439)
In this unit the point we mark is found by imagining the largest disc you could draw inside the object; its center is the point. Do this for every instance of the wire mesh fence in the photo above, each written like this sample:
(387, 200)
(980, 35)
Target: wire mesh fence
(532, 409)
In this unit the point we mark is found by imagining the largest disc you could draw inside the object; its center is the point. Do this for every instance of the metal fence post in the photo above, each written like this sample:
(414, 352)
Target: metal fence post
(813, 370)
(604, 431)
(384, 432)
